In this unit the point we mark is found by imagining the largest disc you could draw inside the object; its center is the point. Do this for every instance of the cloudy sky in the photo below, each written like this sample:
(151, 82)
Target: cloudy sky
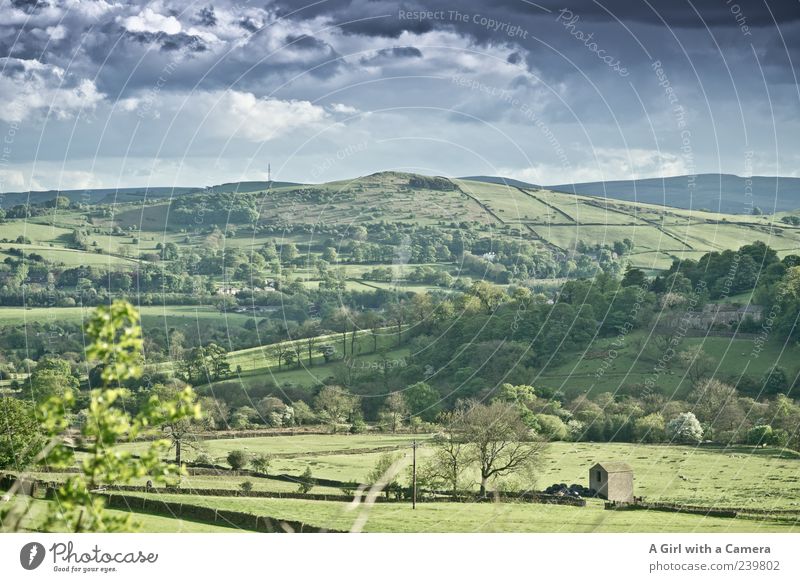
(105, 93)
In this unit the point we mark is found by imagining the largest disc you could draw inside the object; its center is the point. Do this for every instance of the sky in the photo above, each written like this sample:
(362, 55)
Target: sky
(104, 94)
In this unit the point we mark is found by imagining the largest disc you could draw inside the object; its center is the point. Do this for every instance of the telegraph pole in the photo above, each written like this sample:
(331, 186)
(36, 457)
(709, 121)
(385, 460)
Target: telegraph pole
(414, 475)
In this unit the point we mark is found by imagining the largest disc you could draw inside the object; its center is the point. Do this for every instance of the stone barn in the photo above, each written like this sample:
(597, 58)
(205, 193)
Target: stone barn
(613, 480)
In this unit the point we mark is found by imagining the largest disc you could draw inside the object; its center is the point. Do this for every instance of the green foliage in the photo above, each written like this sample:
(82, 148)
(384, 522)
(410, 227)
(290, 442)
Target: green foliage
(115, 341)
(261, 463)
(384, 474)
(237, 459)
(306, 481)
(21, 439)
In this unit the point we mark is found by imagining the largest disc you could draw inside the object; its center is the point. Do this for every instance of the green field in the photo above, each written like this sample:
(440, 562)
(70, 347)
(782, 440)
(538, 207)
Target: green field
(483, 517)
(143, 522)
(755, 477)
(637, 356)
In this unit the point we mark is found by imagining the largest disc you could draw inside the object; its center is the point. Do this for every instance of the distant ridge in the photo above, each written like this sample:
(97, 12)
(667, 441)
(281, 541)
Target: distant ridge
(716, 192)
(501, 180)
(93, 195)
(121, 195)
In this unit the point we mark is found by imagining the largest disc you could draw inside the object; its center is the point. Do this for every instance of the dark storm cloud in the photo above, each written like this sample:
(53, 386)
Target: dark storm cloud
(380, 18)
(326, 50)
(206, 17)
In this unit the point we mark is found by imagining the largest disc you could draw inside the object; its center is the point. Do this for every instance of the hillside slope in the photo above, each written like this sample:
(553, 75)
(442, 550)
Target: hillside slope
(716, 192)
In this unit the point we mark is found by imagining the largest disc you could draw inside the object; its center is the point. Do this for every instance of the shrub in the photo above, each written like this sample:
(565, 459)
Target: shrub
(246, 486)
(261, 463)
(203, 459)
(307, 481)
(237, 459)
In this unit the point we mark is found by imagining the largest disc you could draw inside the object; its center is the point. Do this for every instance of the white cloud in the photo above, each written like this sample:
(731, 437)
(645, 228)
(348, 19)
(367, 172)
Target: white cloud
(342, 108)
(35, 86)
(149, 20)
(606, 165)
(242, 115)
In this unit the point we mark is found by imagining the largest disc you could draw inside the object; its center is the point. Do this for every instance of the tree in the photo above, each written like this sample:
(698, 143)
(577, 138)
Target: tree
(335, 404)
(385, 473)
(261, 463)
(697, 363)
(423, 401)
(395, 410)
(289, 252)
(180, 432)
(650, 428)
(237, 459)
(20, 436)
(451, 454)
(218, 364)
(775, 381)
(114, 338)
(306, 481)
(51, 377)
(633, 277)
(303, 413)
(502, 443)
(329, 254)
(490, 296)
(685, 428)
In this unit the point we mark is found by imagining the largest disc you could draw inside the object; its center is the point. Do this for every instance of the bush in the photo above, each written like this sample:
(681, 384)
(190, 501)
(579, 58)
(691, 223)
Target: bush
(760, 435)
(261, 463)
(203, 459)
(237, 459)
(552, 427)
(307, 481)
(246, 486)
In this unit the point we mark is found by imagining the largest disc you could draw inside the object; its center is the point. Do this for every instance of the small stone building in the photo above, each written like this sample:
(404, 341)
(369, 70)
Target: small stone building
(613, 480)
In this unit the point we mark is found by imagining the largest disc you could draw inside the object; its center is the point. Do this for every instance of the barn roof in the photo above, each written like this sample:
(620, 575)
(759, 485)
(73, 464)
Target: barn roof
(613, 467)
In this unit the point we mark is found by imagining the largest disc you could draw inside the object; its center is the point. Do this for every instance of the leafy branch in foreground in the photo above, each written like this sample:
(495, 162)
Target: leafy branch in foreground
(115, 337)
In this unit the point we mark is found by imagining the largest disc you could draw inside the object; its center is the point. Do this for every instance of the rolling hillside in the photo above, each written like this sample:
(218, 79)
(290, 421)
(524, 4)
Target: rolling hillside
(715, 192)
(555, 222)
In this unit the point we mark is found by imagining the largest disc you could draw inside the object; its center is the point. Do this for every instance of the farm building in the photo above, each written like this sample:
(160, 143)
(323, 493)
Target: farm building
(613, 480)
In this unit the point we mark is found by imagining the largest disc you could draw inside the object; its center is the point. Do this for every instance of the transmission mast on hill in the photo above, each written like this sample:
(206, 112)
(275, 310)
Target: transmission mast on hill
(269, 173)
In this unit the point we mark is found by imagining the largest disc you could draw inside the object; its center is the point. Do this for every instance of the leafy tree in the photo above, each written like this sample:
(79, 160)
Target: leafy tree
(335, 404)
(490, 296)
(20, 436)
(423, 401)
(218, 364)
(181, 432)
(51, 377)
(451, 452)
(261, 463)
(303, 413)
(395, 410)
(306, 482)
(685, 428)
(775, 381)
(115, 340)
(650, 428)
(237, 459)
(501, 441)
(329, 254)
(760, 435)
(289, 252)
(385, 473)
